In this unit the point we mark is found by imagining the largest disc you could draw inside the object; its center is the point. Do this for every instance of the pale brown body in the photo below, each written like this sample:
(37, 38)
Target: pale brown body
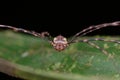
(59, 43)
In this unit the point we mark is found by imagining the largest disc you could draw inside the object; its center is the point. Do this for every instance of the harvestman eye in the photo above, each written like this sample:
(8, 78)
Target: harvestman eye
(60, 43)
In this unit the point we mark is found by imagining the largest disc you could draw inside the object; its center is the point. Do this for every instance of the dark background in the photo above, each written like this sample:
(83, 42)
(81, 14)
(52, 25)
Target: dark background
(65, 18)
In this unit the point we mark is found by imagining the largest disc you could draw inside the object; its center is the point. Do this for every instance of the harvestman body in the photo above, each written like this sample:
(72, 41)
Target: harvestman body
(60, 42)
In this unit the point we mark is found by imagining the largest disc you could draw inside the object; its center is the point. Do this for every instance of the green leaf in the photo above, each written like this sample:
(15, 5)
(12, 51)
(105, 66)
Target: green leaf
(32, 58)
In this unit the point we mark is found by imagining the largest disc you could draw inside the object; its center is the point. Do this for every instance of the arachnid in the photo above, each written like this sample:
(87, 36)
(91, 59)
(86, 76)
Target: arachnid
(60, 42)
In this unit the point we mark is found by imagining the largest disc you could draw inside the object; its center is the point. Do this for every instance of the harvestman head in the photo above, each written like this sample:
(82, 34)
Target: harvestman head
(60, 42)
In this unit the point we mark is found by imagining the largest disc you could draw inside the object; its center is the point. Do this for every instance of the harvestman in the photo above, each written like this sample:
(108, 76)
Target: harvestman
(60, 42)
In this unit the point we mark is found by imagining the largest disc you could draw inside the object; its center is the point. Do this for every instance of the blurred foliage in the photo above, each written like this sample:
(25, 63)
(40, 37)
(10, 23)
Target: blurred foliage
(35, 59)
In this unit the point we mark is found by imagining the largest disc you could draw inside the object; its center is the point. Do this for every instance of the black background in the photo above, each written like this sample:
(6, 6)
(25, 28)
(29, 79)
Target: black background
(65, 18)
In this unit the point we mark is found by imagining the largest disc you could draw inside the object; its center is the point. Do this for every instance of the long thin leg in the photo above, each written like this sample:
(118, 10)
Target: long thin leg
(41, 35)
(93, 28)
(96, 46)
(99, 39)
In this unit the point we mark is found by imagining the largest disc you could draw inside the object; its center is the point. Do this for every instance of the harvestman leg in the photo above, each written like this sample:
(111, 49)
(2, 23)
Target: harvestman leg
(98, 39)
(93, 28)
(101, 39)
(41, 35)
(95, 45)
